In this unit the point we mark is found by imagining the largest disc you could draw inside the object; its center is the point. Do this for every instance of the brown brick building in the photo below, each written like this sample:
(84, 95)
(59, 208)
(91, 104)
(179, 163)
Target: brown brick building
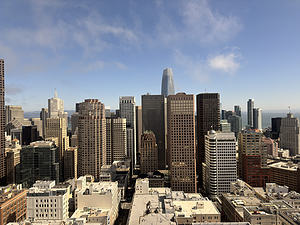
(12, 204)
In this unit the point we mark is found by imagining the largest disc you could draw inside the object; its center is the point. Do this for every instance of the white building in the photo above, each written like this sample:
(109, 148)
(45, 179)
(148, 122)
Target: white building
(127, 110)
(219, 166)
(103, 196)
(166, 207)
(47, 203)
(257, 119)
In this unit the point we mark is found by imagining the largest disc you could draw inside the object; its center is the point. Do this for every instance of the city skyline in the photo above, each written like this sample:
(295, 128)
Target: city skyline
(211, 46)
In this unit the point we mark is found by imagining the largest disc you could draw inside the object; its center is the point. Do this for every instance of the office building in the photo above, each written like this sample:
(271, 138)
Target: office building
(219, 167)
(29, 134)
(116, 146)
(236, 124)
(149, 156)
(45, 165)
(181, 142)
(139, 130)
(252, 153)
(154, 119)
(127, 110)
(167, 84)
(208, 118)
(74, 121)
(39, 126)
(12, 161)
(13, 112)
(2, 124)
(225, 126)
(103, 196)
(257, 119)
(272, 147)
(276, 123)
(44, 202)
(250, 107)
(165, 206)
(44, 115)
(238, 110)
(91, 137)
(55, 106)
(70, 163)
(12, 203)
(286, 173)
(290, 135)
(56, 128)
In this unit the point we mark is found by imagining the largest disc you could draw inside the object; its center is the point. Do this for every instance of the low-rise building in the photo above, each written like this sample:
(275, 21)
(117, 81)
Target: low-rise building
(164, 206)
(12, 203)
(286, 173)
(44, 202)
(103, 196)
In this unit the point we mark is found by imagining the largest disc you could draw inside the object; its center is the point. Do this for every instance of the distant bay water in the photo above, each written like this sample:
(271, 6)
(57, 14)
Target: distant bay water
(266, 118)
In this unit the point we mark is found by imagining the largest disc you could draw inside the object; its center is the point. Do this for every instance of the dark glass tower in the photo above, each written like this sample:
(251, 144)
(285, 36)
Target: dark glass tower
(167, 85)
(154, 119)
(208, 117)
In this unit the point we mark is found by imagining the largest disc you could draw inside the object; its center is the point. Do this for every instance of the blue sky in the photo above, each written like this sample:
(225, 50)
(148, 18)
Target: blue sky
(111, 48)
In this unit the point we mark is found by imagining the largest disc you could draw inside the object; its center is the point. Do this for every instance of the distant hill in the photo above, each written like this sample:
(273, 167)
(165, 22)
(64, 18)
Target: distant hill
(36, 114)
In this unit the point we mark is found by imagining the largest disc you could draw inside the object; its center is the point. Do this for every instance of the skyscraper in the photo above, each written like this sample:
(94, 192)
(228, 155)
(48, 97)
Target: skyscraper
(154, 119)
(127, 110)
(252, 163)
(167, 85)
(250, 107)
(238, 110)
(257, 119)
(13, 112)
(208, 117)
(148, 153)
(219, 167)
(290, 135)
(2, 124)
(56, 109)
(91, 137)
(116, 146)
(181, 142)
(44, 115)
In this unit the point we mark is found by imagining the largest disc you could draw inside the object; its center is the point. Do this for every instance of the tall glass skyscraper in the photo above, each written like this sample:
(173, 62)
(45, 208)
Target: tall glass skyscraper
(167, 85)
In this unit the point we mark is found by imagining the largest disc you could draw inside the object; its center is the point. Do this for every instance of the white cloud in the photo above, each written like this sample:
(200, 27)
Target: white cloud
(94, 66)
(227, 62)
(204, 25)
(194, 68)
(196, 22)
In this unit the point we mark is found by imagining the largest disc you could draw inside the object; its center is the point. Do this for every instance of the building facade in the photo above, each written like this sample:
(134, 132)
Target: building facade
(47, 203)
(12, 204)
(91, 137)
(250, 107)
(252, 154)
(220, 163)
(149, 156)
(290, 135)
(154, 119)
(257, 119)
(127, 110)
(2, 124)
(238, 110)
(208, 117)
(116, 140)
(181, 142)
(167, 84)
(70, 163)
(38, 161)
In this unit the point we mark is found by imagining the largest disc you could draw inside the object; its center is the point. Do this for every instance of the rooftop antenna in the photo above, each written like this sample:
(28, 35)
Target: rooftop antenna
(289, 109)
(205, 90)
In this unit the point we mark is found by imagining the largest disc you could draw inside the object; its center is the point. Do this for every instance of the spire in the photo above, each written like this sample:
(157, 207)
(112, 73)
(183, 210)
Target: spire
(55, 94)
